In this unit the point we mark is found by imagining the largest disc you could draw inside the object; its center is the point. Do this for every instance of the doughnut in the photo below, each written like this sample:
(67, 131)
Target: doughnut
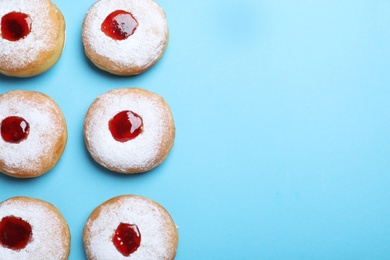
(129, 130)
(32, 36)
(130, 227)
(125, 37)
(31, 228)
(33, 133)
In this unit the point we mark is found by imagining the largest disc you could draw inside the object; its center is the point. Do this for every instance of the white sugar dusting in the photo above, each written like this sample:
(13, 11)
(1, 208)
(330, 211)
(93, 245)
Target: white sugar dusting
(139, 152)
(22, 53)
(143, 47)
(45, 128)
(151, 221)
(46, 242)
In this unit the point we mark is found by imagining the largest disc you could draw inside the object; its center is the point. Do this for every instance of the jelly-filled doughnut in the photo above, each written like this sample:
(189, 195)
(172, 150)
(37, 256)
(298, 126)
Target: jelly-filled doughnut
(125, 37)
(32, 229)
(130, 227)
(129, 130)
(32, 36)
(33, 133)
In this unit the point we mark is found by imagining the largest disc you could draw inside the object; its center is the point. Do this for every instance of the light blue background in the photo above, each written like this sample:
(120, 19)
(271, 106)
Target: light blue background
(282, 116)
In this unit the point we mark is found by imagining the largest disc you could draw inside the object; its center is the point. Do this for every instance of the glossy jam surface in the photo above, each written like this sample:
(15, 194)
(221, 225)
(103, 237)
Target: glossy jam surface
(15, 26)
(119, 25)
(127, 238)
(125, 126)
(15, 233)
(14, 129)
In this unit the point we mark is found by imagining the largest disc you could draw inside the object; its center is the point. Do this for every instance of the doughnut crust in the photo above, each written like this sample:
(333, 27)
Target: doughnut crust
(147, 150)
(50, 232)
(135, 54)
(41, 48)
(159, 236)
(47, 136)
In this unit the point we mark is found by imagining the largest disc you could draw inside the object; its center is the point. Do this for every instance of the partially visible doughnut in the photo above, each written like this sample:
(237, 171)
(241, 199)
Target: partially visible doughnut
(32, 229)
(147, 121)
(151, 232)
(32, 36)
(140, 35)
(33, 133)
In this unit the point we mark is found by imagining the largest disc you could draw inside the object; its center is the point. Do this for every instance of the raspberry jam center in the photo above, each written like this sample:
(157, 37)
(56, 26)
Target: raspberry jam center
(119, 25)
(125, 126)
(127, 238)
(15, 26)
(15, 233)
(14, 129)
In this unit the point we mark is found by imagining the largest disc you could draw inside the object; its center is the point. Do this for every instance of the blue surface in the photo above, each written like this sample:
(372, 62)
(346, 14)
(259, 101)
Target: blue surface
(283, 120)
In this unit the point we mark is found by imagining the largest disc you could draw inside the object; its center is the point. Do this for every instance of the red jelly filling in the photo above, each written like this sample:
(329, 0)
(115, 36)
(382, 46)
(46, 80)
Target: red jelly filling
(15, 233)
(15, 26)
(119, 25)
(127, 238)
(14, 129)
(125, 126)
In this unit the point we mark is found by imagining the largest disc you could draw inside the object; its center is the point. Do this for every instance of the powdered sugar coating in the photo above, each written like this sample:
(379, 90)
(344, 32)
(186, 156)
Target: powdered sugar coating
(46, 128)
(16, 55)
(48, 229)
(141, 50)
(144, 152)
(158, 231)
